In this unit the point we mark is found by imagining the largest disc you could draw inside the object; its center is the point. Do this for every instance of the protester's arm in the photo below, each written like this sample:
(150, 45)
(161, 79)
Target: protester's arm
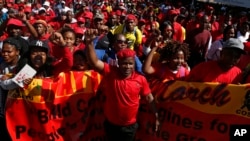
(152, 103)
(9, 84)
(97, 64)
(67, 57)
(28, 25)
(147, 67)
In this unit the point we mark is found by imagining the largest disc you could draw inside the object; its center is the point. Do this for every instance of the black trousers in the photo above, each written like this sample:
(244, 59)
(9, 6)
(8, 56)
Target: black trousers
(120, 133)
(4, 134)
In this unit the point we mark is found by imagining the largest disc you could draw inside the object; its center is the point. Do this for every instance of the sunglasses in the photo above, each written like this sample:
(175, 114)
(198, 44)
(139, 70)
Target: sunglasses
(121, 41)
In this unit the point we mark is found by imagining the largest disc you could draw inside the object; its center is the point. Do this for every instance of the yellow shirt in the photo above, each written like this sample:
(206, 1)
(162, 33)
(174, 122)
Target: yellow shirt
(133, 38)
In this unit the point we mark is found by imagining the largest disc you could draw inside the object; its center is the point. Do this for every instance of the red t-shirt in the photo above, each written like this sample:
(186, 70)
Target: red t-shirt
(164, 73)
(178, 33)
(244, 61)
(212, 72)
(122, 95)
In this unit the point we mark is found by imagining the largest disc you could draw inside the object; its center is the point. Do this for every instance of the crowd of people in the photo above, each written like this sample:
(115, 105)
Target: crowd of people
(128, 42)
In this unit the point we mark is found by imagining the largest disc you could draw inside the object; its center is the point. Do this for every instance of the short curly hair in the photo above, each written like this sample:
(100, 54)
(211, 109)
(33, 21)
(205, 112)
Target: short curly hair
(171, 48)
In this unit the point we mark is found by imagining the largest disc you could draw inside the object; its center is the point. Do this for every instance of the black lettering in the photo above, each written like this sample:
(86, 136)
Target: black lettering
(165, 135)
(80, 105)
(197, 125)
(42, 116)
(220, 98)
(66, 111)
(205, 92)
(20, 129)
(181, 137)
(186, 123)
(161, 114)
(176, 119)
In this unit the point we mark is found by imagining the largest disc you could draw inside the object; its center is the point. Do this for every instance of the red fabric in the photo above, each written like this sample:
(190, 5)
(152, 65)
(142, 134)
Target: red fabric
(211, 72)
(178, 34)
(244, 61)
(122, 95)
(215, 31)
(4, 36)
(164, 73)
(44, 37)
(125, 53)
(65, 63)
(191, 25)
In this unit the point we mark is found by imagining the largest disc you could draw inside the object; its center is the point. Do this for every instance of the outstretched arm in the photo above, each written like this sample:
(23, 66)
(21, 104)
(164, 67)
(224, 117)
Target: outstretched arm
(97, 64)
(147, 67)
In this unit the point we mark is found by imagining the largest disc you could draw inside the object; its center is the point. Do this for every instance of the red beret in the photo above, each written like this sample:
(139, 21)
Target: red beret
(118, 13)
(15, 22)
(125, 53)
(81, 19)
(130, 17)
(79, 30)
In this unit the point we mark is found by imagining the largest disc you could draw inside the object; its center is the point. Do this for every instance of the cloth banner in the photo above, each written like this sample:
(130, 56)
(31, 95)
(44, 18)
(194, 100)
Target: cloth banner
(68, 108)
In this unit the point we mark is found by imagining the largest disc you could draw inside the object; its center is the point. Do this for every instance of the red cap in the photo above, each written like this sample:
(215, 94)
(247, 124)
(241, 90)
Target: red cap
(15, 22)
(125, 53)
(118, 12)
(173, 12)
(130, 17)
(81, 19)
(79, 30)
(27, 9)
(142, 21)
(15, 6)
(88, 15)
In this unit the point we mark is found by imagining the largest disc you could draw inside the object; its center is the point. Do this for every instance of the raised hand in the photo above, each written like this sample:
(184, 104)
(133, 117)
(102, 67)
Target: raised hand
(90, 35)
(57, 39)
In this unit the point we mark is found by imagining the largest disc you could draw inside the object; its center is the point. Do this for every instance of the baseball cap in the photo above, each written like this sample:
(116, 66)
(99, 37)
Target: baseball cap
(15, 22)
(39, 43)
(234, 43)
(46, 3)
(98, 16)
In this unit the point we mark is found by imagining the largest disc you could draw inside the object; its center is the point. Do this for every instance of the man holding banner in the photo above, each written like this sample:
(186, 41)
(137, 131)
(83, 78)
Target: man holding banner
(122, 87)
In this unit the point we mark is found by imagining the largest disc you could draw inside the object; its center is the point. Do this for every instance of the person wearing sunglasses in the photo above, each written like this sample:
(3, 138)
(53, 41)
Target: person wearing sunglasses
(120, 43)
(122, 87)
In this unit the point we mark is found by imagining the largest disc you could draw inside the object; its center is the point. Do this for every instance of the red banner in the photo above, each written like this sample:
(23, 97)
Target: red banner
(67, 108)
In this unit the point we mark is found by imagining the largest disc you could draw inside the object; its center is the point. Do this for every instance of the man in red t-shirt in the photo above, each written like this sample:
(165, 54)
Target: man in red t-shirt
(122, 87)
(223, 70)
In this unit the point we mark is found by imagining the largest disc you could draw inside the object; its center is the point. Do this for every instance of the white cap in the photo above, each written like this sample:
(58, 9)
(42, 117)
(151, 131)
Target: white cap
(63, 2)
(46, 3)
(41, 8)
